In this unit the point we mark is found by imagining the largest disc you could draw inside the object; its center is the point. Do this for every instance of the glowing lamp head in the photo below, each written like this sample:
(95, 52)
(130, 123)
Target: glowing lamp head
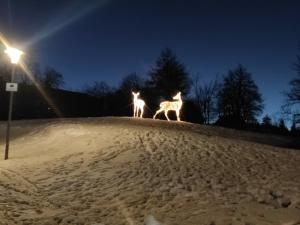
(14, 54)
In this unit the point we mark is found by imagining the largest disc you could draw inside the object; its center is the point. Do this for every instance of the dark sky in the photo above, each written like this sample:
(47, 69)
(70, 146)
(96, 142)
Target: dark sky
(92, 40)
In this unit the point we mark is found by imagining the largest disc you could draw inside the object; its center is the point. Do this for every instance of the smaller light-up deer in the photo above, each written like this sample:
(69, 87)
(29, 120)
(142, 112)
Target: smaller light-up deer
(138, 105)
(167, 106)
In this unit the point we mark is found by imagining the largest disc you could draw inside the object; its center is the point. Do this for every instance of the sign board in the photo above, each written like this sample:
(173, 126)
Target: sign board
(12, 87)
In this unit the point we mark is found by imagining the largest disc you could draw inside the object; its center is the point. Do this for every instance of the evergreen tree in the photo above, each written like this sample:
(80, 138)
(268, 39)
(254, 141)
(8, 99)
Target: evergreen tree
(168, 76)
(239, 100)
(282, 127)
(266, 121)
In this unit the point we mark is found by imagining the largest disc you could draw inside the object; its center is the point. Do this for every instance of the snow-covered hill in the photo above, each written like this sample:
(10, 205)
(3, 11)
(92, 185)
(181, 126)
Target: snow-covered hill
(117, 171)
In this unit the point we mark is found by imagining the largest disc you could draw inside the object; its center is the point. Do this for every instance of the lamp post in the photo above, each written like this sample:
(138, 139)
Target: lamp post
(14, 55)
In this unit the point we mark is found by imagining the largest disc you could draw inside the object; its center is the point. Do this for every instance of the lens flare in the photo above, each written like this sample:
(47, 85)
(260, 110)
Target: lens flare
(41, 90)
(67, 17)
(26, 70)
(4, 41)
(14, 54)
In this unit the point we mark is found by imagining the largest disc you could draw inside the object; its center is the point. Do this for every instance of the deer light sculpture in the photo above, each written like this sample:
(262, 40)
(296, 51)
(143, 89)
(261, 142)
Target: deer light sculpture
(167, 106)
(138, 105)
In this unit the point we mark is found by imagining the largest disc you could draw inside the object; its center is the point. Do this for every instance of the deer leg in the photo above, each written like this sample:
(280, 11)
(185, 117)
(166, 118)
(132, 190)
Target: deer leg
(134, 112)
(157, 112)
(138, 112)
(166, 115)
(142, 112)
(178, 115)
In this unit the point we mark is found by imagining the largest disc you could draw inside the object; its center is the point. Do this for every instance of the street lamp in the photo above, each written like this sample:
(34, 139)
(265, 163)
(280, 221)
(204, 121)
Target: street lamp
(14, 55)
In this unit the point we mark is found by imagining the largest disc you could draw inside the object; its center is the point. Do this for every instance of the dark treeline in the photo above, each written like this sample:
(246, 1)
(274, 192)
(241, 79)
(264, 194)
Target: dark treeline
(43, 98)
(234, 100)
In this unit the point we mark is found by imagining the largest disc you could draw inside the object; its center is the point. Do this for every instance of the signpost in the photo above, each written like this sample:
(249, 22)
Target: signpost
(13, 87)
(14, 55)
(10, 87)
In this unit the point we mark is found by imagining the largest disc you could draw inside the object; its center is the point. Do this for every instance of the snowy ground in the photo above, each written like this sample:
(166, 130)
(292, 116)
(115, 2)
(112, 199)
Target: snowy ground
(115, 171)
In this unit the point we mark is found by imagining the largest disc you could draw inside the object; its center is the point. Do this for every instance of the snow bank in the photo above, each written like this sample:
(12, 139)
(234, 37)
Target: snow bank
(121, 170)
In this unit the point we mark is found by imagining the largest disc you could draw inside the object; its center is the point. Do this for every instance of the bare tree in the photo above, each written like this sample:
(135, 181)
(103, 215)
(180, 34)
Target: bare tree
(205, 97)
(131, 82)
(52, 78)
(98, 89)
(293, 95)
(292, 101)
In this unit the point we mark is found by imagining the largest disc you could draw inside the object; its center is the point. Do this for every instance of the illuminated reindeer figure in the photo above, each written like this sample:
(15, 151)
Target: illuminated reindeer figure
(167, 106)
(138, 105)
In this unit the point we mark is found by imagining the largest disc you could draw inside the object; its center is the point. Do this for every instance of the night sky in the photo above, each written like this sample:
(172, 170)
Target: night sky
(92, 40)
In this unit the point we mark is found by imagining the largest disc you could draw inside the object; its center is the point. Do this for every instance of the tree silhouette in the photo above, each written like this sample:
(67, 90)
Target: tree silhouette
(131, 82)
(52, 78)
(282, 127)
(294, 130)
(98, 89)
(293, 95)
(239, 100)
(168, 76)
(267, 121)
(205, 97)
(103, 92)
(121, 102)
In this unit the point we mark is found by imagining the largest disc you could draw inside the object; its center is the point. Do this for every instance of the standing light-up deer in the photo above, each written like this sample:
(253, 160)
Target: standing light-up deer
(138, 105)
(167, 106)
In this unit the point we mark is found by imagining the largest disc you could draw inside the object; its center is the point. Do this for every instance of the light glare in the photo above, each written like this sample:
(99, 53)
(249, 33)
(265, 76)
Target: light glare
(14, 54)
